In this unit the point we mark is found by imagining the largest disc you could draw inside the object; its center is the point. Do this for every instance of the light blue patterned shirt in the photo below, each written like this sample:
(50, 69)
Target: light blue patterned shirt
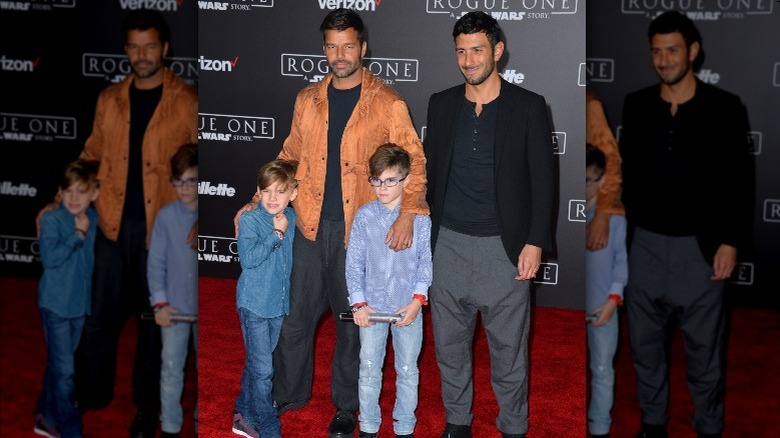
(172, 265)
(385, 279)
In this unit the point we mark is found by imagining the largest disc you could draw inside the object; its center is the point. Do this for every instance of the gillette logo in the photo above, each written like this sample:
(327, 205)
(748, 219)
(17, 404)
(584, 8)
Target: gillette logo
(513, 77)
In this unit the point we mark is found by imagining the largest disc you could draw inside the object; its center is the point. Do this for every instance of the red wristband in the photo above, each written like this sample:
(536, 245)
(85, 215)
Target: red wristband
(421, 298)
(616, 298)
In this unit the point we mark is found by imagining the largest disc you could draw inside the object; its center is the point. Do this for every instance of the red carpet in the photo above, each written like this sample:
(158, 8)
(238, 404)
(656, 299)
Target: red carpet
(557, 375)
(752, 407)
(23, 359)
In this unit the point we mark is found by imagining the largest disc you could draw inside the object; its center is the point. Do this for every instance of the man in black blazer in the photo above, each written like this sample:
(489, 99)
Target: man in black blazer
(490, 175)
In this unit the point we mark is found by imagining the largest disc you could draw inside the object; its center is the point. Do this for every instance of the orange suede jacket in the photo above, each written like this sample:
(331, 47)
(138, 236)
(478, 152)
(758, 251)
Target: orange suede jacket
(380, 116)
(173, 123)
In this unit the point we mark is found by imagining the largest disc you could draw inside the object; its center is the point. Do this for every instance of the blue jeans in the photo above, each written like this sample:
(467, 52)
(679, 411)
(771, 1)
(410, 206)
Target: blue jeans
(175, 344)
(254, 399)
(56, 400)
(407, 342)
(602, 343)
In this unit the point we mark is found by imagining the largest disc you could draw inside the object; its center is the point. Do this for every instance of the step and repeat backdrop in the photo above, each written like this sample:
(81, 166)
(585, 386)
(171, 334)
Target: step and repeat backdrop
(255, 55)
(55, 57)
(742, 56)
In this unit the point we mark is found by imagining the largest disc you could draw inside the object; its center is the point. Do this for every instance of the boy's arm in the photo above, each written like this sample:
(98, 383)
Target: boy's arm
(620, 257)
(424, 273)
(54, 249)
(156, 271)
(255, 242)
(355, 271)
(423, 276)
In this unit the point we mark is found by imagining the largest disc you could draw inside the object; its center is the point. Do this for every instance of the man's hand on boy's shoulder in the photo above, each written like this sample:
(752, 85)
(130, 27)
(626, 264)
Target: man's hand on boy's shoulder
(401, 232)
(47, 208)
(249, 206)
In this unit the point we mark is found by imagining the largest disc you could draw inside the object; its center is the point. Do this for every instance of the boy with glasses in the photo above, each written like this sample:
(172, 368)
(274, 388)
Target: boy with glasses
(381, 280)
(172, 273)
(606, 273)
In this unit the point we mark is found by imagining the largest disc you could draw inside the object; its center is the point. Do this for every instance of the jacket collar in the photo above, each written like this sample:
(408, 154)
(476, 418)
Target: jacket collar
(369, 86)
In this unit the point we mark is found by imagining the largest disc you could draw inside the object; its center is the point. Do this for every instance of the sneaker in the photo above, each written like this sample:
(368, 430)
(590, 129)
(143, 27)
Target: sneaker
(241, 427)
(44, 427)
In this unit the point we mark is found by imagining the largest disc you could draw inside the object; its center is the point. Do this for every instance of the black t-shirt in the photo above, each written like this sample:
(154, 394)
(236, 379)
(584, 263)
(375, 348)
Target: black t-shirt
(341, 103)
(142, 106)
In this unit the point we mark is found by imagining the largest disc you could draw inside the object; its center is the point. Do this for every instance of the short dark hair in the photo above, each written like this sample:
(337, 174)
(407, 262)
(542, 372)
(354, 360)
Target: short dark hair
(594, 157)
(389, 156)
(79, 172)
(145, 19)
(673, 21)
(342, 19)
(184, 158)
(281, 171)
(478, 21)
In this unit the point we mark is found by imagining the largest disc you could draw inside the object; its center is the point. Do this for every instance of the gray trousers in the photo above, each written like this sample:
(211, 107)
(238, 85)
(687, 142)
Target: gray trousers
(470, 275)
(669, 280)
(317, 283)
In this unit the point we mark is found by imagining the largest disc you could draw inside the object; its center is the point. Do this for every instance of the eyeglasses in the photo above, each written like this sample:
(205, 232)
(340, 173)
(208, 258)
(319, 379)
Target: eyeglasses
(590, 181)
(389, 182)
(189, 182)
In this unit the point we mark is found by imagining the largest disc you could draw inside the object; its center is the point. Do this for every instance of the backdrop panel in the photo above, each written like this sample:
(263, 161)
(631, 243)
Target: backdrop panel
(256, 55)
(55, 57)
(742, 56)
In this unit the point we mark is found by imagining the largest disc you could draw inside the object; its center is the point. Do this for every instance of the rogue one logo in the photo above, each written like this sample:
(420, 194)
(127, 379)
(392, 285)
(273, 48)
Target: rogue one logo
(314, 67)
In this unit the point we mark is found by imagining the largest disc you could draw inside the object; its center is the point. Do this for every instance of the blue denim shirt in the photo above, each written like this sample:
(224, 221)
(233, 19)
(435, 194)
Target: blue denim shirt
(385, 279)
(266, 261)
(66, 284)
(172, 265)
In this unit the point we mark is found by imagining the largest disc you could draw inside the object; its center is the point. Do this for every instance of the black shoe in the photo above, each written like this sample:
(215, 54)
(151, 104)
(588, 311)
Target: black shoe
(164, 434)
(708, 435)
(405, 436)
(652, 431)
(456, 431)
(512, 435)
(343, 424)
(606, 435)
(282, 407)
(144, 424)
(367, 435)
